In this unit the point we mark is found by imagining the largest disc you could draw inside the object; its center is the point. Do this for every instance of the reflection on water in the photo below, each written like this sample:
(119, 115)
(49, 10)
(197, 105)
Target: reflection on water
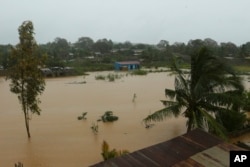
(59, 139)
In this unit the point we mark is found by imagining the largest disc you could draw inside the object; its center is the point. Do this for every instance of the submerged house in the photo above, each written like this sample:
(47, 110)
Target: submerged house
(127, 65)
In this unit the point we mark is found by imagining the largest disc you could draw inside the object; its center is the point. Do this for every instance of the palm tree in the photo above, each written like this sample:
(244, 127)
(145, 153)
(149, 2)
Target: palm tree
(209, 88)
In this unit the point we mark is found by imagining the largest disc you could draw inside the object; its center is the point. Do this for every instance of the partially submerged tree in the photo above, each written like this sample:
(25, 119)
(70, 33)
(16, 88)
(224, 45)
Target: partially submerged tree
(209, 89)
(83, 116)
(109, 117)
(19, 164)
(23, 70)
(95, 127)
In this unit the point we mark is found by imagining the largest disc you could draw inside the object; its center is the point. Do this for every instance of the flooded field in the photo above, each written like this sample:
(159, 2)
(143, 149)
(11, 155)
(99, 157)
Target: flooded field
(59, 139)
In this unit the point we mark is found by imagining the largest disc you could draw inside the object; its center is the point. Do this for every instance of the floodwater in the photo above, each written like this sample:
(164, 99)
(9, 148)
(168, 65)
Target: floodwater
(59, 139)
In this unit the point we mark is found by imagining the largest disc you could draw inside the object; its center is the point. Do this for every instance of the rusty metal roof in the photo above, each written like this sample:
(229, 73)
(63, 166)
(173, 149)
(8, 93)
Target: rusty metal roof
(195, 148)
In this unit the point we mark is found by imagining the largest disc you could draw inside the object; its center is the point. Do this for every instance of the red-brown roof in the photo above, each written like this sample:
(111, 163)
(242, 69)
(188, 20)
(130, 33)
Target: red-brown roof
(196, 148)
(128, 62)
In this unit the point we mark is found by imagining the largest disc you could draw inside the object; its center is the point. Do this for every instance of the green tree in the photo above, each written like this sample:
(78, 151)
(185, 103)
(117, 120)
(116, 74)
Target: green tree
(233, 121)
(193, 45)
(108, 154)
(210, 88)
(61, 48)
(178, 47)
(212, 45)
(83, 47)
(228, 49)
(163, 44)
(23, 71)
(85, 43)
(103, 46)
(4, 53)
(245, 50)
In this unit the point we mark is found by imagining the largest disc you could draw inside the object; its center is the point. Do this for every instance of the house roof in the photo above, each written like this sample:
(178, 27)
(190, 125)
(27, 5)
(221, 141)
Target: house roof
(195, 148)
(128, 62)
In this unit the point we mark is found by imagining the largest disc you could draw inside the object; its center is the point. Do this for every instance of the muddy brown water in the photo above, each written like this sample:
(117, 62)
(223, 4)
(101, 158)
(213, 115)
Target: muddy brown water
(59, 139)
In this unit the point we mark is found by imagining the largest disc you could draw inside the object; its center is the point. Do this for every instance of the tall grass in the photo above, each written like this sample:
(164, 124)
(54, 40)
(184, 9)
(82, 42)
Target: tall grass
(110, 77)
(139, 72)
(242, 69)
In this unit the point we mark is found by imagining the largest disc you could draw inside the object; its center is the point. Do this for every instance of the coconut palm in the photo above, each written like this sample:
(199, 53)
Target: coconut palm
(209, 88)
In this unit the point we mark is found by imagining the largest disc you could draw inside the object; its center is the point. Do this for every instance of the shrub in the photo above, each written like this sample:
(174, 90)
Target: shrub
(100, 77)
(139, 72)
(94, 128)
(109, 117)
(82, 117)
(111, 77)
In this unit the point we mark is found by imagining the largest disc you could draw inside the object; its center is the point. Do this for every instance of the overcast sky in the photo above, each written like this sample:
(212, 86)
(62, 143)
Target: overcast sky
(138, 21)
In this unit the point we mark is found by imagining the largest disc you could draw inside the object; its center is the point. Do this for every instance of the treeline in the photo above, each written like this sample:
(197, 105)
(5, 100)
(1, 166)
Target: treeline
(86, 54)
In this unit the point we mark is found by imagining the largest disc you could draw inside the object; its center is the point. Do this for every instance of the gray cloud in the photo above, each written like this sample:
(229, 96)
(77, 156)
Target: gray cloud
(146, 21)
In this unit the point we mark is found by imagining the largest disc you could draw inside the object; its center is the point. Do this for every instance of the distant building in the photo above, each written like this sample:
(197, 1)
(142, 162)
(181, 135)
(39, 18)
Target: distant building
(46, 72)
(138, 52)
(127, 65)
(57, 71)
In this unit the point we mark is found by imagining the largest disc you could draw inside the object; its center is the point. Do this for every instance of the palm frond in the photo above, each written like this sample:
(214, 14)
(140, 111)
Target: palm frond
(170, 93)
(193, 121)
(210, 108)
(181, 82)
(226, 99)
(195, 118)
(233, 82)
(183, 97)
(213, 126)
(210, 88)
(168, 103)
(176, 61)
(160, 115)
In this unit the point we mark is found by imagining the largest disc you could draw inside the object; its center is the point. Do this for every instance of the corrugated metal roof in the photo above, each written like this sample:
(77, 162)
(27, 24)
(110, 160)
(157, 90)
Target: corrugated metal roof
(196, 148)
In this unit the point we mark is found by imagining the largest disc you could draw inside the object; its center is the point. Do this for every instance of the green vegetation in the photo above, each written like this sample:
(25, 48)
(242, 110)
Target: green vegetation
(205, 95)
(100, 77)
(107, 153)
(242, 69)
(94, 128)
(246, 99)
(83, 116)
(233, 121)
(110, 77)
(139, 72)
(82, 65)
(108, 117)
(26, 78)
(88, 55)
